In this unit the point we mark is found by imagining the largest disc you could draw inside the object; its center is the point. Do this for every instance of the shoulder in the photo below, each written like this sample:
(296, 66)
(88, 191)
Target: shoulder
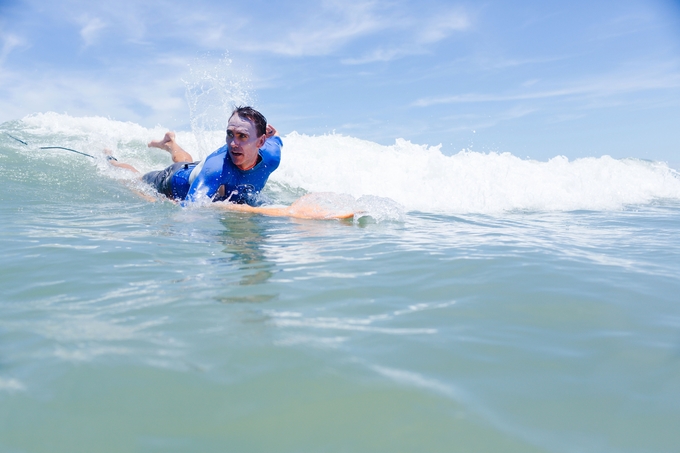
(274, 140)
(271, 150)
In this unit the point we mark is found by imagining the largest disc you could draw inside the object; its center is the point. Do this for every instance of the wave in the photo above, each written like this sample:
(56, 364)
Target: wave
(419, 177)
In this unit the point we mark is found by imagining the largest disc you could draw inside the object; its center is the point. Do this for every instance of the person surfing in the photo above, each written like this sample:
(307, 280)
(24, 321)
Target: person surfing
(237, 172)
(234, 175)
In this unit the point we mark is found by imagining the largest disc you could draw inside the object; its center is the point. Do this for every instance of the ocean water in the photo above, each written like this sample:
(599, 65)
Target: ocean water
(478, 303)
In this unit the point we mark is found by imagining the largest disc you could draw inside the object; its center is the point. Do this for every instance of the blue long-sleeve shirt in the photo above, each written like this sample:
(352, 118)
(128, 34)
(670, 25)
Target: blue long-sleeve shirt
(240, 186)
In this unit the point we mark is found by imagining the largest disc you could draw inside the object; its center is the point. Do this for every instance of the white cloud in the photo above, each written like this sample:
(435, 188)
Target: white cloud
(143, 99)
(91, 28)
(334, 25)
(606, 85)
(310, 28)
(380, 55)
(442, 26)
(126, 18)
(500, 62)
(640, 20)
(416, 36)
(9, 43)
(466, 122)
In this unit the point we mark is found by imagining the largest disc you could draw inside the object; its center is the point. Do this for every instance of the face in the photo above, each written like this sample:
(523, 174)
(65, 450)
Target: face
(243, 142)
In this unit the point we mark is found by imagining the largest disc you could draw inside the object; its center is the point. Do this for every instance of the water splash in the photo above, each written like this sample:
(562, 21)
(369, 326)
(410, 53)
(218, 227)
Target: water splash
(422, 178)
(212, 92)
(383, 181)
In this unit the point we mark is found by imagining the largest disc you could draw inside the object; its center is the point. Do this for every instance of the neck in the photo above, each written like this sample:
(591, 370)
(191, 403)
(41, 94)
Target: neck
(245, 167)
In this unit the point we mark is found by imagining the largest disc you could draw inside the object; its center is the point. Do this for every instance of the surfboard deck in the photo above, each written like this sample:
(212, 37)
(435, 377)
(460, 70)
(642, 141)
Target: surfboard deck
(304, 207)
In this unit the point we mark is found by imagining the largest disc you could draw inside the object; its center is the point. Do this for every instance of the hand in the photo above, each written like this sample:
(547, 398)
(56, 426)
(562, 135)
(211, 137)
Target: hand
(271, 131)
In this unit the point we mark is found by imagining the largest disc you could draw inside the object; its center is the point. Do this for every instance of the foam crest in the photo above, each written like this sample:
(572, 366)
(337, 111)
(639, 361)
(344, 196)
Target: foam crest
(127, 140)
(421, 178)
(384, 181)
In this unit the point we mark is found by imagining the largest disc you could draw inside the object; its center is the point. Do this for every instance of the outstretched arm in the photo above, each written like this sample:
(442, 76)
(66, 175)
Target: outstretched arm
(114, 162)
(304, 207)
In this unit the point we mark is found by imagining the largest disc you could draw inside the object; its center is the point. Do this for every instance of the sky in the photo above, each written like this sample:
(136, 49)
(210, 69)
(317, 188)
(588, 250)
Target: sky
(537, 79)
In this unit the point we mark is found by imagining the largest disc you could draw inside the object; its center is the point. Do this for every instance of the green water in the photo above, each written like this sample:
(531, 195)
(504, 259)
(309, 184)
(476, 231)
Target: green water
(135, 326)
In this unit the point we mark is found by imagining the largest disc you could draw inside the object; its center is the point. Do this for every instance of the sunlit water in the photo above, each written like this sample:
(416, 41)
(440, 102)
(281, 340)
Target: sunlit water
(481, 303)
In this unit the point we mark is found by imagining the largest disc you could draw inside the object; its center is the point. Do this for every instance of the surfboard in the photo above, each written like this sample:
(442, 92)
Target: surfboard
(305, 207)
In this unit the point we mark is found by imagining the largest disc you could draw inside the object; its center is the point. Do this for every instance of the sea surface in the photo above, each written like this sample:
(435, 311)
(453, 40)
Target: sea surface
(477, 302)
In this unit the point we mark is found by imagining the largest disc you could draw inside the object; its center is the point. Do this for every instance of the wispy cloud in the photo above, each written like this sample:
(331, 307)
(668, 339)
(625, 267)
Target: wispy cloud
(9, 42)
(442, 26)
(604, 86)
(306, 29)
(310, 28)
(467, 122)
(145, 49)
(631, 23)
(378, 55)
(415, 36)
(501, 62)
(91, 28)
(123, 97)
(335, 24)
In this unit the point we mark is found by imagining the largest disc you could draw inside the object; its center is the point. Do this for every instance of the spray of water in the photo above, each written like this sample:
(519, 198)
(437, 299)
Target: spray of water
(213, 89)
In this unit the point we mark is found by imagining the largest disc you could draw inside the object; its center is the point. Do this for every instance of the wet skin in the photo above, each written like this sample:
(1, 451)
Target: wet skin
(243, 142)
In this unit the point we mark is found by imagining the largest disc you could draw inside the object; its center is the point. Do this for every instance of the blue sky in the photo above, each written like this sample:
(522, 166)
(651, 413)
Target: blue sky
(534, 78)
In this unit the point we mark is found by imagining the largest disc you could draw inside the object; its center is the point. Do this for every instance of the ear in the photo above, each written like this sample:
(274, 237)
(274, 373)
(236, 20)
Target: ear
(261, 140)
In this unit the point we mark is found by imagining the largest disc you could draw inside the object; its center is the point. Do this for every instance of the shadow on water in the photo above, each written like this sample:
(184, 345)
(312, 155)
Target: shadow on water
(243, 238)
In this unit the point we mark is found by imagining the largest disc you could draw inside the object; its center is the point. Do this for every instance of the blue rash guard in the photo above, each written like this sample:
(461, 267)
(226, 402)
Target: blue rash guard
(218, 170)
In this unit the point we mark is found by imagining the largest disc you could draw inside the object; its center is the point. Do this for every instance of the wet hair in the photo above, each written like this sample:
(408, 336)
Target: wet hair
(249, 113)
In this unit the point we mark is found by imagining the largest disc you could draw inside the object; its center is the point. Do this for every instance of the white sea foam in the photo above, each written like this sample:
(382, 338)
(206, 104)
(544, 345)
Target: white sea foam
(386, 180)
(421, 178)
